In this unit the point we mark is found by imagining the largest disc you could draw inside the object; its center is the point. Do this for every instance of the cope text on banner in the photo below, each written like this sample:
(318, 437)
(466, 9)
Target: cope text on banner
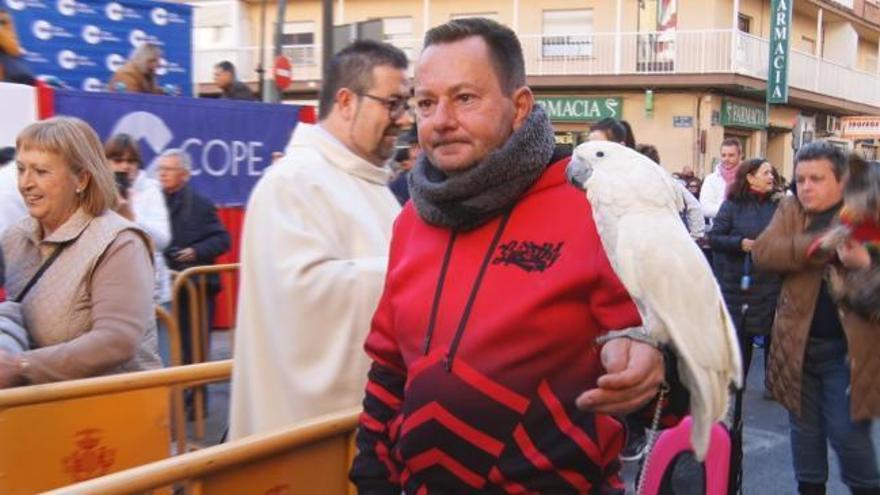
(83, 42)
(230, 142)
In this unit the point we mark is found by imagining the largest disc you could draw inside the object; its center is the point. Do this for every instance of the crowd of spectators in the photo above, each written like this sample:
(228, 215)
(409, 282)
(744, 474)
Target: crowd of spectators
(346, 292)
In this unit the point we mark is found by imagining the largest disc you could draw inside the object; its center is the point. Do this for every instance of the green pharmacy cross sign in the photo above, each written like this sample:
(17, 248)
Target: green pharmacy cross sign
(581, 109)
(734, 114)
(780, 35)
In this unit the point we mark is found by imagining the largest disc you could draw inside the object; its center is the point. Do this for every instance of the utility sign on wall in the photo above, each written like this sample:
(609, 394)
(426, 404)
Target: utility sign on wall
(780, 36)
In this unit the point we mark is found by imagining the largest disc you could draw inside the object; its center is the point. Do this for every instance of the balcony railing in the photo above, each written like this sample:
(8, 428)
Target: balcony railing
(674, 52)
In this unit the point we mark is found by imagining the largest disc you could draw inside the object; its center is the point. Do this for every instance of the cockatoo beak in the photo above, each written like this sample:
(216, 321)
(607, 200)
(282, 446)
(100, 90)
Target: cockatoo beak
(578, 172)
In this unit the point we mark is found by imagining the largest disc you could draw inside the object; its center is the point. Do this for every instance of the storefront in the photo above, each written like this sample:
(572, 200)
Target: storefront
(863, 133)
(572, 115)
(667, 120)
(746, 122)
(686, 127)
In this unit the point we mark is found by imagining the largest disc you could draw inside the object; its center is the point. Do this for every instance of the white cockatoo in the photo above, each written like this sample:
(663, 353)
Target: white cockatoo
(636, 206)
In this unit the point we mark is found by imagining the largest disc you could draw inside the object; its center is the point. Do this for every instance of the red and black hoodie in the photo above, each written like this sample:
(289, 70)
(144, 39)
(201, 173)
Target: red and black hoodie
(481, 342)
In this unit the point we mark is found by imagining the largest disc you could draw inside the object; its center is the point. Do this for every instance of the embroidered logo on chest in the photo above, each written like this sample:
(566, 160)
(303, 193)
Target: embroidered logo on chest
(528, 255)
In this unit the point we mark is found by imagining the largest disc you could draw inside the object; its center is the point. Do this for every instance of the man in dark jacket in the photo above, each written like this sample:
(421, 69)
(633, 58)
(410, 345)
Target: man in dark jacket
(197, 235)
(231, 87)
(405, 158)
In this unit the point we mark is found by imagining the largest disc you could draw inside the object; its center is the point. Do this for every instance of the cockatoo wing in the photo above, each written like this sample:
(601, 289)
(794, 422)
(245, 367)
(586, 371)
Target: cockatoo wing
(673, 285)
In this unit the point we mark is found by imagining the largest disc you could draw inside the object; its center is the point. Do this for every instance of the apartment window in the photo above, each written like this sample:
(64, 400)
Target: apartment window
(399, 32)
(298, 33)
(212, 36)
(566, 33)
(488, 15)
(745, 23)
(808, 44)
(298, 40)
(212, 26)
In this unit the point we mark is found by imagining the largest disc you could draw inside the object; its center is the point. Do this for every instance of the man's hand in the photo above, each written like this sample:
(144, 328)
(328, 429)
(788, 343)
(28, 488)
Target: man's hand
(185, 255)
(854, 255)
(747, 245)
(634, 373)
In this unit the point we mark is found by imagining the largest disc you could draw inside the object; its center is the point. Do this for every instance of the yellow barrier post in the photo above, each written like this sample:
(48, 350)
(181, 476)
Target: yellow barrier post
(178, 412)
(199, 322)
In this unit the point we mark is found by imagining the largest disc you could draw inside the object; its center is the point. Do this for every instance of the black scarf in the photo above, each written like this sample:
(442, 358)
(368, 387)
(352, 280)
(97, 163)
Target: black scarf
(470, 198)
(819, 222)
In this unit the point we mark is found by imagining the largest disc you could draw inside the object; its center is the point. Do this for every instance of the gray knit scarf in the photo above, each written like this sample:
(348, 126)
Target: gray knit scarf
(468, 199)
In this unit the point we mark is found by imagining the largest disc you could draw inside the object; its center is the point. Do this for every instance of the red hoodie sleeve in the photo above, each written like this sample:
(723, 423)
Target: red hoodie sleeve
(375, 469)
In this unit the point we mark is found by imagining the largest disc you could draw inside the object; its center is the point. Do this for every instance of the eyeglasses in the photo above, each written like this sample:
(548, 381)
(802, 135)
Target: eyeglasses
(396, 106)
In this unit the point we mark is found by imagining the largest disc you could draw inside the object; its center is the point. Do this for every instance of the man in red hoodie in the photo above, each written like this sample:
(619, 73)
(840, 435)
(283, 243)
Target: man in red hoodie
(486, 374)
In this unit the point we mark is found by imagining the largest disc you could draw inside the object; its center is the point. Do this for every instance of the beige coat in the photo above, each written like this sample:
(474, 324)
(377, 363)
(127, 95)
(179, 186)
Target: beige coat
(134, 81)
(782, 248)
(92, 311)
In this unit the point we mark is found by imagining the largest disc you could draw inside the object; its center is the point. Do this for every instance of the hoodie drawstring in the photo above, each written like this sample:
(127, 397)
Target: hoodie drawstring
(438, 291)
(453, 347)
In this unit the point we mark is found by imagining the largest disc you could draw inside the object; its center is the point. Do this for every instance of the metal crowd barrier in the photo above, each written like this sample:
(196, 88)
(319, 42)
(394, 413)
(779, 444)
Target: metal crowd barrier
(56, 434)
(192, 284)
(310, 457)
(170, 324)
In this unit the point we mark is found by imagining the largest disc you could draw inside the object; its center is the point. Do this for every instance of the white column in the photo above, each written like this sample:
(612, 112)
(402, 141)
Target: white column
(426, 16)
(340, 12)
(820, 40)
(618, 48)
(734, 35)
(516, 17)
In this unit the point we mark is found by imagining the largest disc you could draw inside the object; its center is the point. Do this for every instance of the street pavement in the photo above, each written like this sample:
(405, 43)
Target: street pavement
(767, 464)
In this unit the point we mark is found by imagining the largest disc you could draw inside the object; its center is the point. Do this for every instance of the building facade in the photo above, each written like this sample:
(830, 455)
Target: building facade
(684, 73)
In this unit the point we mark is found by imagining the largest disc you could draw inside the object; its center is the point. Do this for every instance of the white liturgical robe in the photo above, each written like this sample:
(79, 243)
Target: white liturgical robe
(314, 253)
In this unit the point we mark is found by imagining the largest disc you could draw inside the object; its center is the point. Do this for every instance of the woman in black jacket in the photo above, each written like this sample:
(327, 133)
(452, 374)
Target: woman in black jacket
(750, 295)
(751, 203)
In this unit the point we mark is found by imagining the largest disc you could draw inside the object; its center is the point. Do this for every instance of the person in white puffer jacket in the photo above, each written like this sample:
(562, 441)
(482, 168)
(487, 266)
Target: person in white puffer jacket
(143, 203)
(714, 189)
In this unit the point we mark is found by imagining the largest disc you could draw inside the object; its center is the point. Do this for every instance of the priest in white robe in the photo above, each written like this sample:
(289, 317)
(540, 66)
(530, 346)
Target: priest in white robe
(315, 246)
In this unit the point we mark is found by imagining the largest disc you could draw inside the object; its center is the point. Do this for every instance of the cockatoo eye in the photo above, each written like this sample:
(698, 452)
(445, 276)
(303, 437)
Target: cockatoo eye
(600, 154)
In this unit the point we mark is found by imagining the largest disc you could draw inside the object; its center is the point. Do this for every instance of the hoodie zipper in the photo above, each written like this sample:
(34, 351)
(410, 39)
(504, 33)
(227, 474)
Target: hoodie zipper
(462, 324)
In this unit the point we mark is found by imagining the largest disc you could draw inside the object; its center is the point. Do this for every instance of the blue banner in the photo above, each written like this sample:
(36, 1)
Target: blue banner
(230, 142)
(83, 42)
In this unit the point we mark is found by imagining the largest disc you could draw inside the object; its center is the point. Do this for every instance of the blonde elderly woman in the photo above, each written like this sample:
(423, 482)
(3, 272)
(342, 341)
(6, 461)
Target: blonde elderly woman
(91, 311)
